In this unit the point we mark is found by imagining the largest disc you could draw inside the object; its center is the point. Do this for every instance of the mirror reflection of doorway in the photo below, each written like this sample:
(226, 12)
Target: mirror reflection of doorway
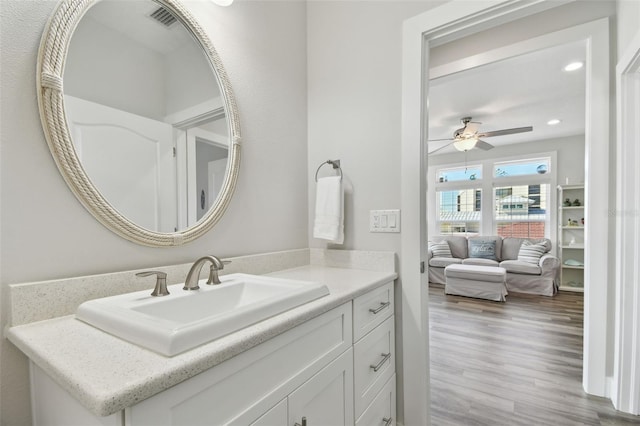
(207, 154)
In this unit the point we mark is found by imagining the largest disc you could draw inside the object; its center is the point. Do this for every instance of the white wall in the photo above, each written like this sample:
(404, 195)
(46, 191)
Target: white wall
(569, 15)
(98, 55)
(355, 65)
(628, 19)
(355, 50)
(46, 233)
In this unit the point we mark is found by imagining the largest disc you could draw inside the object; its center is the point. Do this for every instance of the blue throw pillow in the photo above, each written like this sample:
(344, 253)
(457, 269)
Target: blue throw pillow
(483, 249)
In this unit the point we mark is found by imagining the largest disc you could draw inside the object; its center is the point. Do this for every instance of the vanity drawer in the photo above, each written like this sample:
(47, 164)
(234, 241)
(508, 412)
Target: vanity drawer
(371, 309)
(382, 411)
(374, 363)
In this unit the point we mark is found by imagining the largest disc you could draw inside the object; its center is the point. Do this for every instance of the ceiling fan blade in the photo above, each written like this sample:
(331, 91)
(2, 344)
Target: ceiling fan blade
(438, 149)
(440, 140)
(471, 128)
(505, 132)
(483, 145)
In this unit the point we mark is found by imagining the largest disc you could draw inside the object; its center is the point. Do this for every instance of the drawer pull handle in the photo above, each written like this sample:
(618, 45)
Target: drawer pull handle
(384, 359)
(379, 308)
(304, 422)
(387, 421)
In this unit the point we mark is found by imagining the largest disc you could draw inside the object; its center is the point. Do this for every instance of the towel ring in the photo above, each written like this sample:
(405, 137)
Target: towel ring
(334, 163)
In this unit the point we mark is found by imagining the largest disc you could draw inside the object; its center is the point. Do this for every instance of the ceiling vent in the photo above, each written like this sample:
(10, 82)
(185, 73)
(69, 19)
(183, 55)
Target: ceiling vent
(163, 16)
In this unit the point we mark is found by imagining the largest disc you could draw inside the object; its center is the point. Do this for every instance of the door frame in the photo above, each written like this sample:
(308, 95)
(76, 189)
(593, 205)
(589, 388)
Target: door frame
(437, 26)
(626, 370)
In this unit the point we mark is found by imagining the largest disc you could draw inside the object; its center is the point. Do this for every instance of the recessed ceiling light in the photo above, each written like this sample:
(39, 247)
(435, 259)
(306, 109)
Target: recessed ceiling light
(573, 66)
(553, 122)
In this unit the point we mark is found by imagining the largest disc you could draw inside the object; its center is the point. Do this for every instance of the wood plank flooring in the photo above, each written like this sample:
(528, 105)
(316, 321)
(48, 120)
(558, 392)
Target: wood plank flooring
(517, 363)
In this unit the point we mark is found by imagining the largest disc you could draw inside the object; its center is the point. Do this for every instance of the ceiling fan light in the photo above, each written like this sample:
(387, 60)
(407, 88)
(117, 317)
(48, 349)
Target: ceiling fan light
(465, 144)
(553, 122)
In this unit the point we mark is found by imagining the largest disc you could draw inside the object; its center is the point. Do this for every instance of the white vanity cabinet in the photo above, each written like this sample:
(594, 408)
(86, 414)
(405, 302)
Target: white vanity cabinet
(243, 388)
(335, 369)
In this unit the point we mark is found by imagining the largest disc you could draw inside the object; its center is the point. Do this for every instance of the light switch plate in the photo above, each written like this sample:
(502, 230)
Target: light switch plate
(384, 220)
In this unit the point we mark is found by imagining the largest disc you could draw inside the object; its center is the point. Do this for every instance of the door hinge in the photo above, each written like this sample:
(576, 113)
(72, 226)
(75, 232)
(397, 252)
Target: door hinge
(422, 267)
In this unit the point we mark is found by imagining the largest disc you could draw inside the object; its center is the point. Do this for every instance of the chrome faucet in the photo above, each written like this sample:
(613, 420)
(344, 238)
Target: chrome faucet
(191, 283)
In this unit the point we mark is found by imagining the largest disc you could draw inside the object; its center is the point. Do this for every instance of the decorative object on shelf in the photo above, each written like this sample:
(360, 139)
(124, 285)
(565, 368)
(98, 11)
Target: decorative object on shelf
(572, 242)
(567, 202)
(576, 203)
(569, 222)
(472, 177)
(573, 262)
(542, 169)
(582, 221)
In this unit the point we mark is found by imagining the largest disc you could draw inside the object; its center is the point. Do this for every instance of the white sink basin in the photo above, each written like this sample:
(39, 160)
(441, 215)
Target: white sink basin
(185, 319)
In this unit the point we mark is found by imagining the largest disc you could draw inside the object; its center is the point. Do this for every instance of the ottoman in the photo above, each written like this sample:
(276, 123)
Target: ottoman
(483, 282)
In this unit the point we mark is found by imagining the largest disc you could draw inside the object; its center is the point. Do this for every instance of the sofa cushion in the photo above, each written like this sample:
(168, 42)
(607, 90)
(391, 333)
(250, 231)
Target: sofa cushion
(479, 261)
(518, 267)
(511, 246)
(440, 249)
(530, 252)
(457, 244)
(443, 262)
(484, 248)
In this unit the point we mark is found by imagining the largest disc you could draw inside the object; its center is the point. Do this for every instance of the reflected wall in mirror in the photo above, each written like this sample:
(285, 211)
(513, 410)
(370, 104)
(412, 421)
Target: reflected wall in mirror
(146, 132)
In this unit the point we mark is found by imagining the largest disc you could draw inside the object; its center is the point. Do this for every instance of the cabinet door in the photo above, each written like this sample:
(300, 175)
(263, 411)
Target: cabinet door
(327, 398)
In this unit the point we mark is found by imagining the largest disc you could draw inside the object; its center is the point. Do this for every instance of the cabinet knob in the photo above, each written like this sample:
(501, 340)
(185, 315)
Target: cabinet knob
(379, 308)
(304, 422)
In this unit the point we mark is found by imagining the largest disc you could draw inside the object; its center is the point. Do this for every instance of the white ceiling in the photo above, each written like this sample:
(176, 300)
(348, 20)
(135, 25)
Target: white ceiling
(527, 90)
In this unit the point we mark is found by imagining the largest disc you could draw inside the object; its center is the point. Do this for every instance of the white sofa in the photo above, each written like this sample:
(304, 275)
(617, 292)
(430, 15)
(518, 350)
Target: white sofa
(522, 276)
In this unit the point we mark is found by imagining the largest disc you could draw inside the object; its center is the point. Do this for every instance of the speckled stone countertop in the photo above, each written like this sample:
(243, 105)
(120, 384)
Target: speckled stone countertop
(107, 374)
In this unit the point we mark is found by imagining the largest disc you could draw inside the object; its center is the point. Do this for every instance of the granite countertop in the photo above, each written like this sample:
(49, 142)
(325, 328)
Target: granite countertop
(107, 374)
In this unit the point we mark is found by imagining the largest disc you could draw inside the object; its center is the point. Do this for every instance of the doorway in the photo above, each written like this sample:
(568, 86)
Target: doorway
(448, 22)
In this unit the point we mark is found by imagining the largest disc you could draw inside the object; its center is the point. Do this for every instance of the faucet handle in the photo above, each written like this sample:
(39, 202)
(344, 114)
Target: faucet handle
(161, 282)
(213, 272)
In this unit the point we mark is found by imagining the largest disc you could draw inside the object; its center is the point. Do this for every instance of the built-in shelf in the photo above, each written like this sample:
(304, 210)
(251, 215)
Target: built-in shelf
(569, 288)
(570, 238)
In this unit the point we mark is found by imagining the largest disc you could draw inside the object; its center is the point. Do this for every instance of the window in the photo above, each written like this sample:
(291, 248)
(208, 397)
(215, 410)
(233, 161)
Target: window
(534, 166)
(516, 201)
(459, 211)
(521, 211)
(460, 174)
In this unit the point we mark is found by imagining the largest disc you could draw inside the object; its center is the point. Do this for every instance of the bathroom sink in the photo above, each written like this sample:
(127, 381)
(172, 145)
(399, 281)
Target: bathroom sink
(185, 319)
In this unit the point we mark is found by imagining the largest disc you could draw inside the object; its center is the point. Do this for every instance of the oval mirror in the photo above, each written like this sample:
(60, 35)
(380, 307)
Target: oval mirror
(145, 131)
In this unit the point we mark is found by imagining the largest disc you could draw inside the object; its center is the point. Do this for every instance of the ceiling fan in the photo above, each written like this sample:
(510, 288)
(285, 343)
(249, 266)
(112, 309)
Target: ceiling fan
(467, 137)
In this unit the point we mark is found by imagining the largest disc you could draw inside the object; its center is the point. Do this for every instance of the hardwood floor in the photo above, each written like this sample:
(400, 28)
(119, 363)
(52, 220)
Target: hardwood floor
(513, 363)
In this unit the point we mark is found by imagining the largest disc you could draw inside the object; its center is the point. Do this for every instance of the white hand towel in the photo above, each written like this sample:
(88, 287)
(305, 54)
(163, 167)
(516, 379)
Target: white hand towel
(329, 222)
